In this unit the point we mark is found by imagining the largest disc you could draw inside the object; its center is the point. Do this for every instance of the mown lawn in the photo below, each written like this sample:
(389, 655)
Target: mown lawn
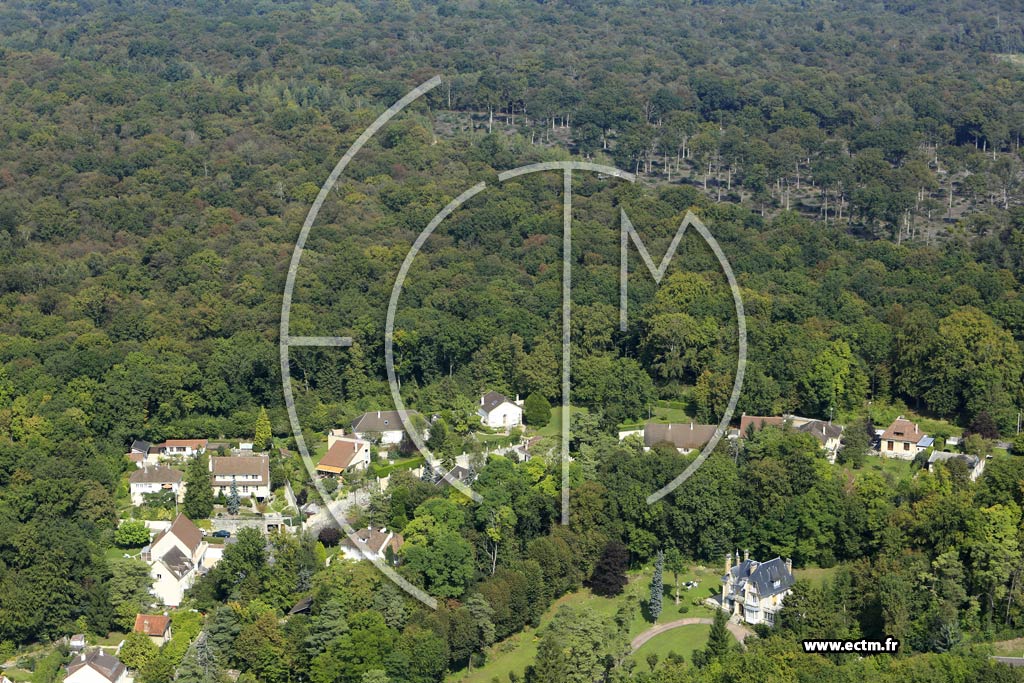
(816, 575)
(683, 640)
(518, 651)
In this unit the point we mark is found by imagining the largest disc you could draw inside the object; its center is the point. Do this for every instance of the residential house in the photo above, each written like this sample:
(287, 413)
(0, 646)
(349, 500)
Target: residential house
(754, 590)
(380, 544)
(174, 558)
(828, 435)
(156, 626)
(96, 667)
(384, 425)
(686, 437)
(344, 455)
(154, 480)
(181, 448)
(77, 642)
(903, 439)
(250, 473)
(975, 465)
(498, 412)
(139, 454)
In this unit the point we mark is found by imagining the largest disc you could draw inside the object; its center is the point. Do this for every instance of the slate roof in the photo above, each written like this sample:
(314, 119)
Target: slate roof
(140, 446)
(187, 532)
(491, 400)
(238, 465)
(158, 474)
(303, 606)
(380, 421)
(179, 564)
(339, 457)
(108, 666)
(689, 435)
(821, 430)
(764, 576)
(902, 429)
(377, 540)
(942, 456)
(152, 624)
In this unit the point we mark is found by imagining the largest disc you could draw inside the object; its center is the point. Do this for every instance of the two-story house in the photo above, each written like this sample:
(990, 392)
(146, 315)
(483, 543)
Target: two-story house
(385, 426)
(154, 480)
(373, 543)
(975, 465)
(174, 557)
(903, 439)
(181, 448)
(250, 473)
(754, 590)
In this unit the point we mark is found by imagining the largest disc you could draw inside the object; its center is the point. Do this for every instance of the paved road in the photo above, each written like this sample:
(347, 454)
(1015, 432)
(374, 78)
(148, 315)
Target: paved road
(739, 631)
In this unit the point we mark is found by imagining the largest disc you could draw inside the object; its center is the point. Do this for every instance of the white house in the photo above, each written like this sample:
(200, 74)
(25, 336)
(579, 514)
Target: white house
(385, 425)
(97, 667)
(139, 453)
(154, 480)
(181, 448)
(828, 435)
(499, 412)
(174, 558)
(379, 544)
(754, 590)
(250, 473)
(975, 465)
(344, 455)
(903, 439)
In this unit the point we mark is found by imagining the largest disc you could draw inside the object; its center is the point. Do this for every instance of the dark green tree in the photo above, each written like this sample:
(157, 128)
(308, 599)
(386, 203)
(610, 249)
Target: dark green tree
(536, 411)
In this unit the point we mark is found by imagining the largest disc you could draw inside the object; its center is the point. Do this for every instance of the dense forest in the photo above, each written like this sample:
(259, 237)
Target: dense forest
(859, 163)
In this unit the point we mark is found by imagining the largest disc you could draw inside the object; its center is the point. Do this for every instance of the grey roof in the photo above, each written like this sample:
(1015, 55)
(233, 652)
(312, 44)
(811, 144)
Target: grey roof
(491, 400)
(158, 474)
(140, 446)
(689, 435)
(769, 578)
(942, 456)
(108, 666)
(380, 421)
(177, 562)
(821, 430)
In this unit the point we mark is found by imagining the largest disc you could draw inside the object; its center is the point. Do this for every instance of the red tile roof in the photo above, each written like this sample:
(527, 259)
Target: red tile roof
(902, 429)
(152, 624)
(339, 457)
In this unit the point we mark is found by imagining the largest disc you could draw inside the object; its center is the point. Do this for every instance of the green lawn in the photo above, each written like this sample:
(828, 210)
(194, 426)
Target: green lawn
(18, 675)
(816, 575)
(900, 469)
(683, 640)
(554, 428)
(519, 650)
(118, 553)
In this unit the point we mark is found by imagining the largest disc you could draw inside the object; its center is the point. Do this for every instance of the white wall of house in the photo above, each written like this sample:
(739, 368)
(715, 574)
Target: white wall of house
(138, 490)
(504, 416)
(904, 450)
(391, 437)
(166, 587)
(87, 674)
(247, 486)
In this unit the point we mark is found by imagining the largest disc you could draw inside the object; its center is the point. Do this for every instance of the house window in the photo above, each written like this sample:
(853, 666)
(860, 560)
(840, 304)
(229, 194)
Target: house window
(159, 576)
(890, 446)
(769, 617)
(245, 489)
(906, 445)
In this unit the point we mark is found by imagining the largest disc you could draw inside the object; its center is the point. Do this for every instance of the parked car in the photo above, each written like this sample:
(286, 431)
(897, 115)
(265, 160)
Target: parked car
(222, 533)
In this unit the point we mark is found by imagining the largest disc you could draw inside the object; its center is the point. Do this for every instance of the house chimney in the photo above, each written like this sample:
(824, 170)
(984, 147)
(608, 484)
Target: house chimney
(691, 426)
(728, 562)
(378, 414)
(789, 565)
(481, 400)
(737, 556)
(746, 554)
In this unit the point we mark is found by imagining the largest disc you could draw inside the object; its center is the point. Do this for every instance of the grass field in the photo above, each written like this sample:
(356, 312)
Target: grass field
(518, 651)
(554, 428)
(1009, 648)
(683, 640)
(816, 575)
